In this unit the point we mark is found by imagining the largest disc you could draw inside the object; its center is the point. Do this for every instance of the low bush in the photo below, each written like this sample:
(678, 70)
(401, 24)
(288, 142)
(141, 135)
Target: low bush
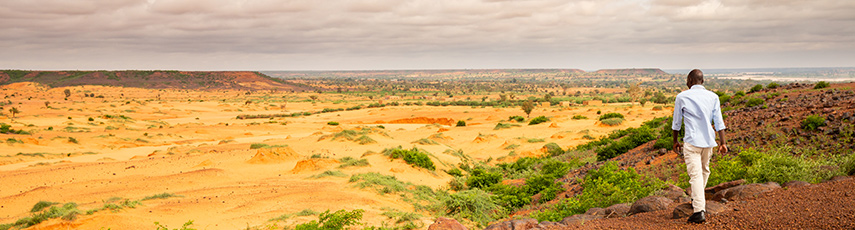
(754, 102)
(7, 129)
(516, 118)
(461, 123)
(772, 85)
(756, 88)
(382, 183)
(258, 145)
(610, 115)
(578, 117)
(329, 173)
(553, 149)
(635, 137)
(602, 187)
(776, 164)
(337, 220)
(413, 157)
(821, 84)
(474, 204)
(481, 178)
(501, 125)
(351, 162)
(812, 122)
(538, 120)
(160, 196)
(612, 121)
(332, 123)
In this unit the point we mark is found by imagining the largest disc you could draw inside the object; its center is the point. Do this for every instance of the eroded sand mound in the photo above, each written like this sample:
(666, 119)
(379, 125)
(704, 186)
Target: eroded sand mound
(273, 155)
(313, 164)
(420, 120)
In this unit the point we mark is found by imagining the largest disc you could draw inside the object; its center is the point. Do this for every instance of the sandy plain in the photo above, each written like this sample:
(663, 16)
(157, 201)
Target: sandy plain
(189, 143)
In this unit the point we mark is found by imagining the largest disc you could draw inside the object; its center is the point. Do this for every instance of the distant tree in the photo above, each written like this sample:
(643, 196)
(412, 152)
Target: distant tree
(503, 97)
(512, 95)
(547, 97)
(67, 92)
(527, 107)
(47, 104)
(313, 97)
(14, 111)
(634, 92)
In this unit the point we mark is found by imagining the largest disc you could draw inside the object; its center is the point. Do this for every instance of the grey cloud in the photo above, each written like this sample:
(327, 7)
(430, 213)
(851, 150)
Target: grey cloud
(387, 30)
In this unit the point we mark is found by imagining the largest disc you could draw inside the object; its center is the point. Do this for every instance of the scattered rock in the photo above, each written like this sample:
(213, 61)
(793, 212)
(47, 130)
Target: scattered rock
(522, 224)
(579, 219)
(725, 185)
(443, 223)
(617, 210)
(795, 184)
(549, 225)
(684, 210)
(649, 204)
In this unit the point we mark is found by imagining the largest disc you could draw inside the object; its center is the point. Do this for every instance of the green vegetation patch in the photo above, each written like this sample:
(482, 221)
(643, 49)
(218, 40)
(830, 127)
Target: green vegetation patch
(165, 195)
(501, 125)
(538, 120)
(351, 162)
(603, 187)
(329, 173)
(812, 122)
(610, 115)
(7, 129)
(413, 157)
(779, 164)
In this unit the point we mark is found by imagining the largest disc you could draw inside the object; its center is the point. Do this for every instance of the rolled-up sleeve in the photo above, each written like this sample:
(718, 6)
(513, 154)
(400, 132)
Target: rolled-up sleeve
(718, 120)
(677, 119)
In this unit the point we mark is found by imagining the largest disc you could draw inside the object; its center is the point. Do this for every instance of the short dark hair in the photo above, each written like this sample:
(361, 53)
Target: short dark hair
(696, 75)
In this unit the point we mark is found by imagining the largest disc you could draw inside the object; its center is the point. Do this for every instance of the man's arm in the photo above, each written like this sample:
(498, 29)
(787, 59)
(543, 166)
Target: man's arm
(676, 125)
(722, 147)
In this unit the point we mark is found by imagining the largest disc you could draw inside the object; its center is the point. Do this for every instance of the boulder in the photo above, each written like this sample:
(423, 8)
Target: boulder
(549, 225)
(745, 191)
(443, 223)
(672, 192)
(596, 212)
(649, 204)
(579, 219)
(522, 224)
(795, 184)
(684, 210)
(617, 210)
(840, 178)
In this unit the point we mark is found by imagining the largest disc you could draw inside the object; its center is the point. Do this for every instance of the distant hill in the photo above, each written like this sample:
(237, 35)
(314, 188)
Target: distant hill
(158, 79)
(651, 71)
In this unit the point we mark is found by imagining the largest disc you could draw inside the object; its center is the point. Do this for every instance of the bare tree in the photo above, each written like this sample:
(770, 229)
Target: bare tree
(14, 111)
(67, 93)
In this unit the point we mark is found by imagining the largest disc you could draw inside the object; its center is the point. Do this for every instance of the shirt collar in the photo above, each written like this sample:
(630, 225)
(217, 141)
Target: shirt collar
(698, 87)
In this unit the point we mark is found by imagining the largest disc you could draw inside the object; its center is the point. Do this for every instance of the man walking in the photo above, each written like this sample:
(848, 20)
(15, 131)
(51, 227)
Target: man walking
(697, 107)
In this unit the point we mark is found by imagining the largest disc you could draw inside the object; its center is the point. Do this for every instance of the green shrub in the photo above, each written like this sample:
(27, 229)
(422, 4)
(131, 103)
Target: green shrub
(413, 157)
(553, 149)
(67, 211)
(161, 196)
(756, 88)
(461, 123)
(610, 115)
(636, 137)
(602, 187)
(723, 99)
(482, 178)
(821, 84)
(754, 102)
(258, 145)
(501, 125)
(612, 121)
(579, 117)
(538, 120)
(333, 221)
(776, 164)
(332, 123)
(516, 118)
(535, 140)
(455, 172)
(475, 205)
(349, 161)
(772, 85)
(382, 183)
(42, 205)
(329, 173)
(7, 129)
(812, 122)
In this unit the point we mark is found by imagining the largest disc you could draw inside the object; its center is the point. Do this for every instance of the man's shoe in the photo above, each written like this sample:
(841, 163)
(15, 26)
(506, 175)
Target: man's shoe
(697, 218)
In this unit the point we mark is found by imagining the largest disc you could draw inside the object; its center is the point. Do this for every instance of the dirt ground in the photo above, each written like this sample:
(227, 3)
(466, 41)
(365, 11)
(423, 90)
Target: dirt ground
(189, 143)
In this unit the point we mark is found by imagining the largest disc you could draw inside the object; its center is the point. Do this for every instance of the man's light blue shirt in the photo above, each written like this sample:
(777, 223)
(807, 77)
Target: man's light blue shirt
(697, 107)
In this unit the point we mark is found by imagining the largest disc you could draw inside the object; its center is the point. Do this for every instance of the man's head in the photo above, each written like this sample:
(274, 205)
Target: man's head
(695, 77)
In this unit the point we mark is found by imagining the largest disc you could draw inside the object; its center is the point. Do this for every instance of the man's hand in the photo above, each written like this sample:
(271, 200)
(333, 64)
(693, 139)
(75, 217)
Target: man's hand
(678, 148)
(723, 149)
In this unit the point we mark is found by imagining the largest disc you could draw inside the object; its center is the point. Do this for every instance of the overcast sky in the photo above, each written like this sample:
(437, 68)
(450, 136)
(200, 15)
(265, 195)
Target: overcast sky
(424, 34)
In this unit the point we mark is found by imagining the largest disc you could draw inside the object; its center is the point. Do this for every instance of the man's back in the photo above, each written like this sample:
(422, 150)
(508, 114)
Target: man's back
(697, 107)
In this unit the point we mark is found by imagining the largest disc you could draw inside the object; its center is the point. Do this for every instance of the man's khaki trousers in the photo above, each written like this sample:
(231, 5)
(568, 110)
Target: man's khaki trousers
(698, 169)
